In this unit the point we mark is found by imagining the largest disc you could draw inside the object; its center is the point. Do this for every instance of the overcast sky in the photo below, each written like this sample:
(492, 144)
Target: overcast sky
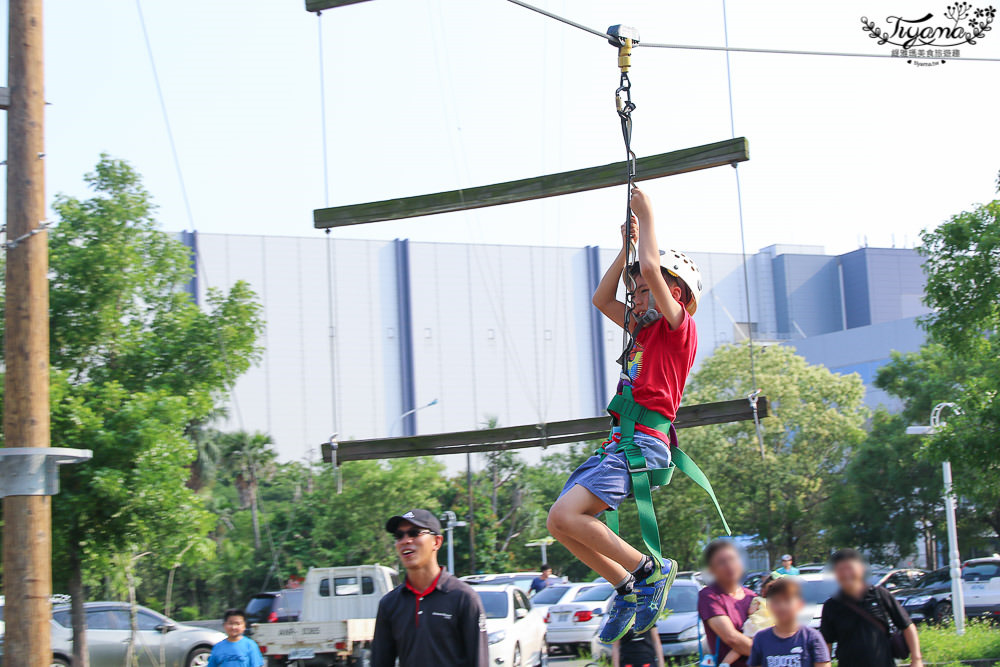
(430, 95)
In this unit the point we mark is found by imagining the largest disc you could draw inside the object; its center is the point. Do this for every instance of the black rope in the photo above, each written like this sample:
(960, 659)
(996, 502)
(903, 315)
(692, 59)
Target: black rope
(623, 99)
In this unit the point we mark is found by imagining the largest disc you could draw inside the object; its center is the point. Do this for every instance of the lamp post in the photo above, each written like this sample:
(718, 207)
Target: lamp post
(954, 559)
(406, 414)
(451, 523)
(544, 544)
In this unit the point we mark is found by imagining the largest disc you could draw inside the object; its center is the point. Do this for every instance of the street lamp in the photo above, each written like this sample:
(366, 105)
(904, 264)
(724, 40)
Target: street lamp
(451, 523)
(544, 543)
(408, 413)
(954, 559)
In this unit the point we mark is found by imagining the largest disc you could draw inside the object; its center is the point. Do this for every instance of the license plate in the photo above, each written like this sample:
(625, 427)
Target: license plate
(562, 618)
(978, 587)
(301, 654)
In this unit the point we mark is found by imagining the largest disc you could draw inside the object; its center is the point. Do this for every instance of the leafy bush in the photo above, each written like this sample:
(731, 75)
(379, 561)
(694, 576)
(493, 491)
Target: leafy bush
(942, 645)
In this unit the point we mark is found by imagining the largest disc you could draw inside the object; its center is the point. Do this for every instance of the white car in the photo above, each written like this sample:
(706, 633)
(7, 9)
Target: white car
(520, 579)
(817, 588)
(572, 625)
(557, 594)
(516, 636)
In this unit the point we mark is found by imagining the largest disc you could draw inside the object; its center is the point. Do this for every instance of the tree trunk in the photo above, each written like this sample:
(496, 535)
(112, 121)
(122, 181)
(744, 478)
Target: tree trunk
(81, 656)
(255, 520)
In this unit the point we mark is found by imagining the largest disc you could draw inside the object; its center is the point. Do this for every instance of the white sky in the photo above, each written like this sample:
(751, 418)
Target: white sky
(430, 95)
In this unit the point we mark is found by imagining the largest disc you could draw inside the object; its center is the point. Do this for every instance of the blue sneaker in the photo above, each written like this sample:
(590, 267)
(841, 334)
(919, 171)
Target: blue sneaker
(651, 594)
(621, 618)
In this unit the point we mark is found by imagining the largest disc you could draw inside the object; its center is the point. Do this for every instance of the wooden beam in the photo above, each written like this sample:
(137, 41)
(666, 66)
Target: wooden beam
(528, 436)
(320, 5)
(721, 153)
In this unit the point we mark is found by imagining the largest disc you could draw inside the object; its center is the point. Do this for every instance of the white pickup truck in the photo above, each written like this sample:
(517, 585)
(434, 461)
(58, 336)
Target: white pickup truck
(335, 628)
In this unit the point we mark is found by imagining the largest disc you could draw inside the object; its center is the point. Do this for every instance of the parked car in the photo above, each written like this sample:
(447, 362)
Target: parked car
(930, 598)
(755, 580)
(574, 624)
(274, 607)
(558, 594)
(893, 578)
(520, 579)
(516, 636)
(109, 633)
(817, 588)
(812, 568)
(679, 631)
(981, 586)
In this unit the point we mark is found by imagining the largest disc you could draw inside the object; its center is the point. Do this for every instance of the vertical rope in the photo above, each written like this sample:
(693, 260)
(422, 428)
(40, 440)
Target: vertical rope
(754, 390)
(330, 296)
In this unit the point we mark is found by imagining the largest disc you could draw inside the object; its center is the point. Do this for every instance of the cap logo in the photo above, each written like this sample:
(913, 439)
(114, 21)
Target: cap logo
(408, 515)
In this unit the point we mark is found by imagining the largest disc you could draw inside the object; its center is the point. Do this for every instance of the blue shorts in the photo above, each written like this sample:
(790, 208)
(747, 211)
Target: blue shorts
(608, 477)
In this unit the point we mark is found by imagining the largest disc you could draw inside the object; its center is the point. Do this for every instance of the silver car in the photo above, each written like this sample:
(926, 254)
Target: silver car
(108, 637)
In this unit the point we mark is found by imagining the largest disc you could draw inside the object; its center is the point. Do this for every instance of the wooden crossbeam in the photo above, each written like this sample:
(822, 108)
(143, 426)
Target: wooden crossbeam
(527, 436)
(320, 5)
(720, 153)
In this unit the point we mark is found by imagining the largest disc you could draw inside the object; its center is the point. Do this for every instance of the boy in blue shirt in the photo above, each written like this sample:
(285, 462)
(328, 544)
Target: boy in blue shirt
(235, 650)
(788, 644)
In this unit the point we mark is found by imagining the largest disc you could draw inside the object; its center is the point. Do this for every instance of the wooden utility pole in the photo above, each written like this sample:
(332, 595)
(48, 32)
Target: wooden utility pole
(27, 539)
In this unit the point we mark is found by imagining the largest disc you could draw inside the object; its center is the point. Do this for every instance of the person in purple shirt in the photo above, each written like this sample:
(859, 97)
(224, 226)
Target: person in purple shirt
(724, 606)
(788, 644)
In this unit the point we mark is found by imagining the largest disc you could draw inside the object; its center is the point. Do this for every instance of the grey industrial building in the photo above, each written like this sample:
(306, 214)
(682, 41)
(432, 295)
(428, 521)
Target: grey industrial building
(362, 335)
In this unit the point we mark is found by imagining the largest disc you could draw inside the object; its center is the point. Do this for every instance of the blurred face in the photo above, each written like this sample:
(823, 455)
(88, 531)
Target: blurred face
(850, 575)
(726, 567)
(786, 562)
(785, 608)
(234, 627)
(416, 547)
(546, 573)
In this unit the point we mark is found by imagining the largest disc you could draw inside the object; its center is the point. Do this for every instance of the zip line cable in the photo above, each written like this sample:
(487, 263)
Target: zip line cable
(727, 48)
(754, 389)
(166, 116)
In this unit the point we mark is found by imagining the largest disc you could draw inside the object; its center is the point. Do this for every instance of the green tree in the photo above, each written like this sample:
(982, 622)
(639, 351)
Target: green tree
(961, 362)
(135, 364)
(816, 419)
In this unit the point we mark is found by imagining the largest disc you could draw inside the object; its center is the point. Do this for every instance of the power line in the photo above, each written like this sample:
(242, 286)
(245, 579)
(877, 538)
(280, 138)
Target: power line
(731, 49)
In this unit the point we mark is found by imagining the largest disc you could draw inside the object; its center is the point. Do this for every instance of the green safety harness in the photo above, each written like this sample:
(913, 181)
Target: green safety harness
(629, 413)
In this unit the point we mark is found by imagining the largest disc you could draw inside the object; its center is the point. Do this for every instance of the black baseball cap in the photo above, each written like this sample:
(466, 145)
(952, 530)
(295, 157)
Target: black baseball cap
(419, 518)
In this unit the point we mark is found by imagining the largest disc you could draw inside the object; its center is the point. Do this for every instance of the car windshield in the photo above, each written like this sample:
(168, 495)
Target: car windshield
(260, 606)
(876, 576)
(550, 595)
(818, 591)
(495, 603)
(682, 599)
(597, 594)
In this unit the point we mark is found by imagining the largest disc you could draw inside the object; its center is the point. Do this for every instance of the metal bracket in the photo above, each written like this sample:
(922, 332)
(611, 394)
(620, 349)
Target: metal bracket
(34, 471)
(617, 34)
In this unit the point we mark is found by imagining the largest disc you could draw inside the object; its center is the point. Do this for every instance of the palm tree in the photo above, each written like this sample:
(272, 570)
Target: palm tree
(249, 457)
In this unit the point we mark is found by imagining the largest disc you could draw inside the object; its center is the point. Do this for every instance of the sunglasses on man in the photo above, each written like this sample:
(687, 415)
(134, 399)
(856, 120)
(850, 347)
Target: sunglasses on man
(412, 533)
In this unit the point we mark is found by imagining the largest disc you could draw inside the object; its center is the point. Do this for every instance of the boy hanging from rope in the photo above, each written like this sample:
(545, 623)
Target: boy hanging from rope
(663, 346)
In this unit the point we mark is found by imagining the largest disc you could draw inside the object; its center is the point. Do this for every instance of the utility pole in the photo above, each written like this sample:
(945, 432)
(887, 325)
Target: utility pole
(27, 536)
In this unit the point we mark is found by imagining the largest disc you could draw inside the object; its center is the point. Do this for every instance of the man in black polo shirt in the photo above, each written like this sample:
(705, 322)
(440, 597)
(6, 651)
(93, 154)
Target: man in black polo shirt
(432, 619)
(862, 639)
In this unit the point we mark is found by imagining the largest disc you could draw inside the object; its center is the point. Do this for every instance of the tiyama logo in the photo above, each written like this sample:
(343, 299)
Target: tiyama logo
(930, 39)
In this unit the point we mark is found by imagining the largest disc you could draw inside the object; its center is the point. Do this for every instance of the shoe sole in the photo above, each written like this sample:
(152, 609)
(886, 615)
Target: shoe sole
(663, 601)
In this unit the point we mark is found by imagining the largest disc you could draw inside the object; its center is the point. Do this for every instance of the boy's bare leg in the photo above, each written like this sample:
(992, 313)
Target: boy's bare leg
(572, 521)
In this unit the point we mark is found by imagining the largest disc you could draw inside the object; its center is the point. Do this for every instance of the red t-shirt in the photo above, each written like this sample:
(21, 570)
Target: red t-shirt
(658, 366)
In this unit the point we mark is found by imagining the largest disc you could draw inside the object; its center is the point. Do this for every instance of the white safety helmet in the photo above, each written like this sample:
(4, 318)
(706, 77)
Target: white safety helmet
(681, 266)
(684, 269)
